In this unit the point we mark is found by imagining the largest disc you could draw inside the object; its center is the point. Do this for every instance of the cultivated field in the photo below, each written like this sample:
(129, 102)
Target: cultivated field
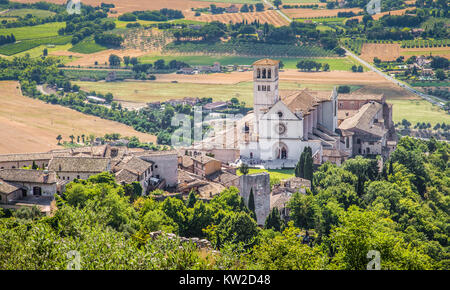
(123, 6)
(227, 85)
(268, 16)
(310, 13)
(385, 52)
(392, 51)
(338, 63)
(29, 125)
(418, 111)
(379, 15)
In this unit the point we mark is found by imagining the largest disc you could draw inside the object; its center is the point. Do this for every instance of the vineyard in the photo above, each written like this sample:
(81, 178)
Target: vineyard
(249, 49)
(425, 43)
(24, 45)
(355, 45)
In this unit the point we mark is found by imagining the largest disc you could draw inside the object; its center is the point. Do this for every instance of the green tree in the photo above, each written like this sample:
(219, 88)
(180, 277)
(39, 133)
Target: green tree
(191, 199)
(273, 220)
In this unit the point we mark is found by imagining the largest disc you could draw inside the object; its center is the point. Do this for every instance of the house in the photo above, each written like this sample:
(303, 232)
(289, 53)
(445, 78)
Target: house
(133, 169)
(204, 165)
(165, 165)
(31, 182)
(11, 161)
(9, 192)
(70, 168)
(366, 133)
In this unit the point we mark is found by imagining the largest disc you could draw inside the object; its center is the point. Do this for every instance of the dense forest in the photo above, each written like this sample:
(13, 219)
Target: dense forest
(400, 211)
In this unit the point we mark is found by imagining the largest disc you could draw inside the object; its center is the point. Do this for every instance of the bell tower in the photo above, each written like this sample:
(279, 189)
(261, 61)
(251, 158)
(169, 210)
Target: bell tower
(265, 85)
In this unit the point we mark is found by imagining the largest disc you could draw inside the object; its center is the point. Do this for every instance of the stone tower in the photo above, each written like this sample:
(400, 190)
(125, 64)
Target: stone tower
(265, 85)
(260, 183)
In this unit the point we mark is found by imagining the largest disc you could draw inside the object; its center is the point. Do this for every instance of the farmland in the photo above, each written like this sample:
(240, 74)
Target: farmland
(268, 16)
(87, 46)
(32, 32)
(223, 86)
(418, 111)
(25, 45)
(343, 63)
(313, 13)
(30, 125)
(25, 12)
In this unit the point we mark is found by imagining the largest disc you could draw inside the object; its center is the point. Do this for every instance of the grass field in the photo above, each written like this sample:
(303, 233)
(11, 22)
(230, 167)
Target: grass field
(35, 12)
(275, 174)
(30, 125)
(25, 45)
(144, 92)
(418, 111)
(323, 19)
(343, 63)
(87, 46)
(32, 32)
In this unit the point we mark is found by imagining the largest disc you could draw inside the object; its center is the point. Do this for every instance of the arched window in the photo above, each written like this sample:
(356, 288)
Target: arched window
(264, 88)
(269, 74)
(268, 88)
(258, 73)
(264, 73)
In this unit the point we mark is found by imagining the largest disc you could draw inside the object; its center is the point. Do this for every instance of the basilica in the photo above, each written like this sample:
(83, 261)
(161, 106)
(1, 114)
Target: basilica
(283, 123)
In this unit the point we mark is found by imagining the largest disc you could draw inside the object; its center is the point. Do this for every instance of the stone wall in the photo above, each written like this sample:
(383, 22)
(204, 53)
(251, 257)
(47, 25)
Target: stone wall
(260, 182)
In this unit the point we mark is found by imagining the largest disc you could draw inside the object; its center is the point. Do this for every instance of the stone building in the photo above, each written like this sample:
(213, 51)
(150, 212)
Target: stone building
(70, 168)
(133, 169)
(31, 182)
(285, 122)
(12, 161)
(165, 165)
(9, 192)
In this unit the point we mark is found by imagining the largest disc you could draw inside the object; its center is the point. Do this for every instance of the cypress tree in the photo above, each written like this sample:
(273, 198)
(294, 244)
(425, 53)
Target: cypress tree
(308, 166)
(273, 221)
(191, 199)
(251, 203)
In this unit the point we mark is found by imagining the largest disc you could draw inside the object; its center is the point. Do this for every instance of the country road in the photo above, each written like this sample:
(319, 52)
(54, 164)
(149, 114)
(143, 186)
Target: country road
(279, 11)
(429, 98)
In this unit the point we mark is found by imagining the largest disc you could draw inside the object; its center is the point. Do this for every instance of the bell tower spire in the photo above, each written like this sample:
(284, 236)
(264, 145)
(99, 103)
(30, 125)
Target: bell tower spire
(265, 85)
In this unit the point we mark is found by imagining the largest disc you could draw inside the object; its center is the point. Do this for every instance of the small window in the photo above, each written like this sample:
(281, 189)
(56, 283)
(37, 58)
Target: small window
(268, 88)
(280, 114)
(264, 73)
(269, 74)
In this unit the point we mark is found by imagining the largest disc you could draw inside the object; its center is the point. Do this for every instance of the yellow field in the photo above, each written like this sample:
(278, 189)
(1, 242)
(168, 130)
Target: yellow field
(29, 125)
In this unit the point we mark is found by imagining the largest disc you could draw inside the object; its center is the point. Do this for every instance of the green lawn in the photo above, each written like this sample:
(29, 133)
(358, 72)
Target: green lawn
(275, 174)
(144, 92)
(35, 12)
(87, 46)
(418, 111)
(342, 63)
(33, 32)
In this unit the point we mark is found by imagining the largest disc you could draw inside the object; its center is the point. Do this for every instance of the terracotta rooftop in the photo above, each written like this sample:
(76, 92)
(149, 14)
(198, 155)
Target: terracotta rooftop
(203, 159)
(361, 97)
(25, 157)
(304, 100)
(6, 188)
(79, 164)
(133, 164)
(363, 120)
(126, 176)
(25, 175)
(266, 61)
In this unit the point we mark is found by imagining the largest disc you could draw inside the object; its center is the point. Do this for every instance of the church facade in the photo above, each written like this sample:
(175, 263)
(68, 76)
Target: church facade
(283, 123)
